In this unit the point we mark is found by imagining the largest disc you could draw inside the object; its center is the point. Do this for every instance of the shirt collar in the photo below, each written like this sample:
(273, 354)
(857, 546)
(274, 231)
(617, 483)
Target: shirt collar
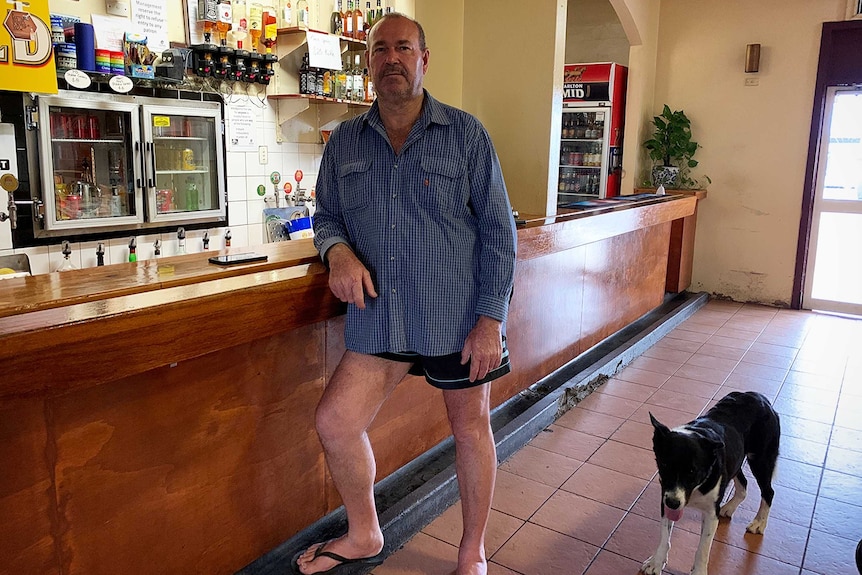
(433, 112)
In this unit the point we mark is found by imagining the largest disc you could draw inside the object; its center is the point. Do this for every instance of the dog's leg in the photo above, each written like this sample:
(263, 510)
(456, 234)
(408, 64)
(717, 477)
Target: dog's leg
(740, 489)
(707, 533)
(762, 469)
(656, 563)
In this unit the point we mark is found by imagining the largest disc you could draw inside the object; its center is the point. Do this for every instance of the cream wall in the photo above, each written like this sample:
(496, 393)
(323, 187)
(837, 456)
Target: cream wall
(594, 33)
(443, 22)
(754, 138)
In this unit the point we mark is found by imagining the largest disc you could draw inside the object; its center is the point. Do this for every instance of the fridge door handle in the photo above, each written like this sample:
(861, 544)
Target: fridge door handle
(139, 183)
(151, 181)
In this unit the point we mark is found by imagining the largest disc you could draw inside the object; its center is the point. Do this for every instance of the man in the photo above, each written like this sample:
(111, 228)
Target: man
(416, 227)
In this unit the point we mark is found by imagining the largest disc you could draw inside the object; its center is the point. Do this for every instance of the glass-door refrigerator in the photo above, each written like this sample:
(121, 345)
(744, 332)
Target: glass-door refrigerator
(591, 132)
(111, 163)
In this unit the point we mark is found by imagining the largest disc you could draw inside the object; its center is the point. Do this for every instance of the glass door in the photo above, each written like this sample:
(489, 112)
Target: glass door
(833, 278)
(184, 162)
(582, 155)
(89, 162)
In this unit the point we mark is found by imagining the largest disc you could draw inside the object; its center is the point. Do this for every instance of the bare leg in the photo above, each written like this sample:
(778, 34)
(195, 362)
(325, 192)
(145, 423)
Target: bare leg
(476, 466)
(359, 386)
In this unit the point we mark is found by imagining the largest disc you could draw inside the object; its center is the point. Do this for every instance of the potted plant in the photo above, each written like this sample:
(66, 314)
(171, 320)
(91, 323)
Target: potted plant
(672, 151)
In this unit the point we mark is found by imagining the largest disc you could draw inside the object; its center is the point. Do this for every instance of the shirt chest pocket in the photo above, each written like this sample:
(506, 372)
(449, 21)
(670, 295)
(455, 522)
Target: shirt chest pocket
(444, 185)
(354, 184)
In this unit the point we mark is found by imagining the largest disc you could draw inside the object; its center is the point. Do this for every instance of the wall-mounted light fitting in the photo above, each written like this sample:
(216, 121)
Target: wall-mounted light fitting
(752, 58)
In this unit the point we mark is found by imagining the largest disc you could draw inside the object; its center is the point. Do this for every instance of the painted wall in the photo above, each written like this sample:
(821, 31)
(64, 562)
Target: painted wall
(754, 138)
(443, 22)
(594, 33)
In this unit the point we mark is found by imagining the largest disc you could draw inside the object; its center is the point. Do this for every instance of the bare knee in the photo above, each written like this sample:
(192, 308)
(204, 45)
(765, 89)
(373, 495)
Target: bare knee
(334, 425)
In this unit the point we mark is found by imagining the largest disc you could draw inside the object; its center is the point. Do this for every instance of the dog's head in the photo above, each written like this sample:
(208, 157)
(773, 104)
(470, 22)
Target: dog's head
(685, 458)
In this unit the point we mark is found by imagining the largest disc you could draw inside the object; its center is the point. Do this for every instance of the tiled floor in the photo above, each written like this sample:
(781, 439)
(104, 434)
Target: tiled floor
(582, 497)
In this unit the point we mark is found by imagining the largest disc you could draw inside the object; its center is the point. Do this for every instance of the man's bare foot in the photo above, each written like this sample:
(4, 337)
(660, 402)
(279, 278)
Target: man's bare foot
(317, 558)
(475, 568)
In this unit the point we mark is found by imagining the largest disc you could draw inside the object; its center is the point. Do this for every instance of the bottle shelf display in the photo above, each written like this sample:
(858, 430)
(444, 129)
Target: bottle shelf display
(114, 162)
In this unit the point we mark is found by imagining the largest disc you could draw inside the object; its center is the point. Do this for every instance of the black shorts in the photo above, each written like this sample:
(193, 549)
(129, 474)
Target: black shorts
(446, 371)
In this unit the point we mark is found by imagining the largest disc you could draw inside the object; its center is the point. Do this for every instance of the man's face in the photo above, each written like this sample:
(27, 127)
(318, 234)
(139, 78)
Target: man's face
(395, 60)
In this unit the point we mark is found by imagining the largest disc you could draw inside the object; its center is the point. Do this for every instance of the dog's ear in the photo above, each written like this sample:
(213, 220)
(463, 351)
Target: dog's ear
(660, 428)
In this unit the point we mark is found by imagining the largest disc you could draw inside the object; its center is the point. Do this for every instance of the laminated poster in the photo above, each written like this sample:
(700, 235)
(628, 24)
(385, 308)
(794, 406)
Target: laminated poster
(25, 47)
(242, 128)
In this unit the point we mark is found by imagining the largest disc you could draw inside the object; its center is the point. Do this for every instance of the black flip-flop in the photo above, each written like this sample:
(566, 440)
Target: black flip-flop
(345, 566)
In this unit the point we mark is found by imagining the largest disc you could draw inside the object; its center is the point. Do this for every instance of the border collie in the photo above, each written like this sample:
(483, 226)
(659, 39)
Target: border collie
(697, 461)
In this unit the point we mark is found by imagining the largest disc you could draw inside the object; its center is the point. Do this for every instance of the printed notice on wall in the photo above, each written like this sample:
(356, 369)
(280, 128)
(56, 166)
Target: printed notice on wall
(324, 51)
(242, 128)
(149, 18)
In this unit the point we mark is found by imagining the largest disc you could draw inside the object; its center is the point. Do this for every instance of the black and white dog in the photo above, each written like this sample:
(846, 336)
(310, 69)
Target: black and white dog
(697, 461)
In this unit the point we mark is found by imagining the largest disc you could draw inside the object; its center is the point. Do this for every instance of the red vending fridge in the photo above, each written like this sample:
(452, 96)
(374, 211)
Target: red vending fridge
(592, 132)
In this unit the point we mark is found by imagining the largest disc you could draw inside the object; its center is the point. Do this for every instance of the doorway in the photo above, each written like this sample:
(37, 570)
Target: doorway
(833, 278)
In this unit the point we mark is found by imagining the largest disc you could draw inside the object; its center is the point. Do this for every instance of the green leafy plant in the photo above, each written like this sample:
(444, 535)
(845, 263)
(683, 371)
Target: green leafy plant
(672, 146)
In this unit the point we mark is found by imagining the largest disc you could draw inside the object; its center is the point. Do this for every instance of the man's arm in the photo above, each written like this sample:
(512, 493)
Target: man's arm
(349, 280)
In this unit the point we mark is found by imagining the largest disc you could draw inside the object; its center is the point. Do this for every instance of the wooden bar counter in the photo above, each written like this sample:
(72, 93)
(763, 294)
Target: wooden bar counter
(158, 420)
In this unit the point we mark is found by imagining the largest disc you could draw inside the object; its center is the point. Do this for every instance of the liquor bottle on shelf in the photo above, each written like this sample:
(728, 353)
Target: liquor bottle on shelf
(348, 78)
(285, 14)
(342, 81)
(369, 20)
(358, 22)
(358, 85)
(225, 21)
(302, 14)
(255, 24)
(347, 19)
(378, 13)
(335, 21)
(239, 26)
(303, 75)
(327, 83)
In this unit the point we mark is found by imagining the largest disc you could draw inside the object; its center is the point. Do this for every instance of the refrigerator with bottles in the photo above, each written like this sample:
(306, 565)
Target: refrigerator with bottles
(592, 132)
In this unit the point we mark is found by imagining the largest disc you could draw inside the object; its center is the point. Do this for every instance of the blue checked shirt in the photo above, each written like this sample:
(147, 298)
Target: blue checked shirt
(433, 225)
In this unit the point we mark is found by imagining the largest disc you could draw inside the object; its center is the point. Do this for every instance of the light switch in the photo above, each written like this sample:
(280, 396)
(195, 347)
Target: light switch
(117, 7)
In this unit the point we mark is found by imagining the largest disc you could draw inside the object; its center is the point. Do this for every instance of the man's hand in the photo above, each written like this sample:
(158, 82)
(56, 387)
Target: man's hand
(483, 347)
(349, 280)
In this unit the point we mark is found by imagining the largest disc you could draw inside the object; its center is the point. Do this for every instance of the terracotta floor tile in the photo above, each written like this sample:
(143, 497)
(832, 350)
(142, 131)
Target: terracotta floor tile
(625, 459)
(686, 335)
(771, 349)
(701, 359)
(813, 380)
(761, 358)
(637, 538)
(733, 342)
(739, 334)
(788, 340)
(607, 563)
(841, 487)
(729, 559)
(738, 382)
(678, 344)
(846, 438)
(664, 366)
(448, 526)
(830, 555)
(707, 374)
(670, 417)
(812, 394)
(723, 352)
(691, 387)
(789, 505)
(783, 540)
(676, 400)
(569, 442)
(590, 422)
(804, 410)
(827, 367)
(578, 517)
(844, 461)
(540, 465)
(535, 550)
(634, 433)
(610, 405)
(422, 555)
(692, 325)
(518, 496)
(760, 371)
(847, 418)
(711, 317)
(605, 486)
(798, 476)
(497, 569)
(642, 377)
(626, 390)
(805, 428)
(838, 518)
(669, 354)
(803, 450)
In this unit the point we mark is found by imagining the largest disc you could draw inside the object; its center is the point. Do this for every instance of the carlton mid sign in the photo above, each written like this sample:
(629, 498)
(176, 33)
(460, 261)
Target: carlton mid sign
(26, 52)
(586, 82)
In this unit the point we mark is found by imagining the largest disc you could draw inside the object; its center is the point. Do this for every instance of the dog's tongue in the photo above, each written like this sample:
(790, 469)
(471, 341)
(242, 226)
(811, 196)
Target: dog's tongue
(673, 514)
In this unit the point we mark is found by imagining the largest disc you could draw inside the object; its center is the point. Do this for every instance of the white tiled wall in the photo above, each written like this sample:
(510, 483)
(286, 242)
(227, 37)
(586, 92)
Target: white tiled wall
(245, 206)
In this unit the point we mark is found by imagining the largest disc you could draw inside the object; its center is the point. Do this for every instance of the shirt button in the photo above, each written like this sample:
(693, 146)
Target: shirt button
(394, 196)
(393, 226)
(391, 258)
(393, 290)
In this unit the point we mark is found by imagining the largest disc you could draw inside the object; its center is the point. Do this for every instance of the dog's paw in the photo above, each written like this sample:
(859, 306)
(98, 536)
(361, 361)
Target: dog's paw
(726, 511)
(758, 526)
(698, 571)
(652, 567)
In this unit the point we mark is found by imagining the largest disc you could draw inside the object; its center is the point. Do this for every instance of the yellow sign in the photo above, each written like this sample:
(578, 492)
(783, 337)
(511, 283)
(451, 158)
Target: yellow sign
(161, 121)
(26, 52)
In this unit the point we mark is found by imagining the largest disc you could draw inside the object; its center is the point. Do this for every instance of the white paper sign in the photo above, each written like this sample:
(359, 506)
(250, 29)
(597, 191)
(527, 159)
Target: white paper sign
(324, 51)
(149, 17)
(242, 128)
(109, 31)
(77, 79)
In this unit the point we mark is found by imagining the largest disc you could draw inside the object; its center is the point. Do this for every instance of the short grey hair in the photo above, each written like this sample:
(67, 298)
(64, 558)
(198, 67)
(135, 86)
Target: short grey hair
(419, 28)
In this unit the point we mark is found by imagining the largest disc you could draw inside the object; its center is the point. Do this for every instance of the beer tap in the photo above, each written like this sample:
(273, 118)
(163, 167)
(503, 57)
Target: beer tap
(300, 191)
(100, 254)
(157, 247)
(227, 238)
(275, 178)
(206, 241)
(181, 240)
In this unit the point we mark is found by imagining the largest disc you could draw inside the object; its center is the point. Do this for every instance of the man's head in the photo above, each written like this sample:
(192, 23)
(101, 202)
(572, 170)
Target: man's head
(397, 58)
